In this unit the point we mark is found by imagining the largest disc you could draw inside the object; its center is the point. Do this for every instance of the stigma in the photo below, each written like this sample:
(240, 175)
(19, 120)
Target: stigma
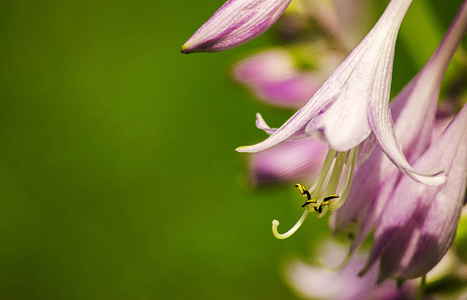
(329, 192)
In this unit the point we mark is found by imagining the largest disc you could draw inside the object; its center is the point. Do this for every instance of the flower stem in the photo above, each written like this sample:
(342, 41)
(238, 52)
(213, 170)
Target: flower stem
(421, 288)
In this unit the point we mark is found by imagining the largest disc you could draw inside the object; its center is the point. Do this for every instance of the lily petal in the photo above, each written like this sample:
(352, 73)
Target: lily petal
(414, 112)
(274, 78)
(261, 124)
(288, 161)
(420, 221)
(383, 128)
(321, 283)
(431, 76)
(235, 23)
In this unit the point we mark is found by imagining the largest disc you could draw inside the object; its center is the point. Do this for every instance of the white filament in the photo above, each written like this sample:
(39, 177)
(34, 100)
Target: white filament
(335, 179)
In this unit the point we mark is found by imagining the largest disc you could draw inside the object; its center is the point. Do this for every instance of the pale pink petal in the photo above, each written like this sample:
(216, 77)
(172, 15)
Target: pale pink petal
(419, 221)
(301, 159)
(235, 23)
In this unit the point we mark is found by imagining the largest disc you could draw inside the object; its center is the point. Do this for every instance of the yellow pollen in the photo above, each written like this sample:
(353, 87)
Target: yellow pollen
(319, 208)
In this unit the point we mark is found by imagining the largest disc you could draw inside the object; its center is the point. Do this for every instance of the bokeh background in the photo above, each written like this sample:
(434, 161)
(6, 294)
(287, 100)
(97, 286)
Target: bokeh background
(118, 175)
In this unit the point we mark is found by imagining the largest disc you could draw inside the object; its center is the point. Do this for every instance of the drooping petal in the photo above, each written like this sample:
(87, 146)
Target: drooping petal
(381, 120)
(374, 191)
(235, 23)
(419, 221)
(416, 116)
(441, 222)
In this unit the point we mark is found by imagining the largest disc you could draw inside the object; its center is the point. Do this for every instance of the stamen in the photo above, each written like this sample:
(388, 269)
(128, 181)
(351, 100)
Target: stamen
(330, 197)
(336, 174)
(324, 210)
(324, 170)
(292, 230)
(308, 202)
(347, 180)
(335, 184)
(303, 191)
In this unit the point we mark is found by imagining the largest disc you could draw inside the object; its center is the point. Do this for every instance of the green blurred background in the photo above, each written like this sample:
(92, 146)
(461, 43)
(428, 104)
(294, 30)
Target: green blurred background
(118, 175)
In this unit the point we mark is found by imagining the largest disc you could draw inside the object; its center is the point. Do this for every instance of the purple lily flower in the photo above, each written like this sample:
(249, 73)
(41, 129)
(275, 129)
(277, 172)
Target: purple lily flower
(235, 23)
(273, 77)
(349, 112)
(301, 159)
(314, 282)
(420, 221)
(414, 112)
(344, 284)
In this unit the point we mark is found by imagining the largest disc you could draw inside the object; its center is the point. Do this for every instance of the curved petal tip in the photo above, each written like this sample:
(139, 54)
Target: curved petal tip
(431, 179)
(242, 149)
